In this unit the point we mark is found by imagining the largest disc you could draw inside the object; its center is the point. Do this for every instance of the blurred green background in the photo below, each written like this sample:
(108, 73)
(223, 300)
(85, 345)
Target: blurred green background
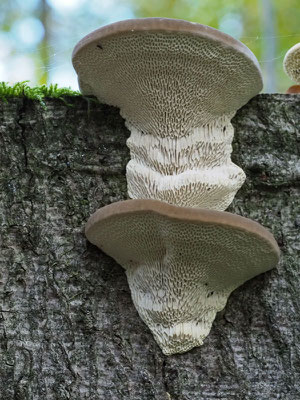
(37, 36)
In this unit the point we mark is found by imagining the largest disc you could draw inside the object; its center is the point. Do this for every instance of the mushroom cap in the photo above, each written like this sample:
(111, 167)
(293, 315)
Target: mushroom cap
(181, 263)
(167, 76)
(291, 63)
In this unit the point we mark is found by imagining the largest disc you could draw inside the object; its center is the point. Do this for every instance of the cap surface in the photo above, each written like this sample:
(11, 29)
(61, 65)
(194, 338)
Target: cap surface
(291, 63)
(160, 70)
(181, 263)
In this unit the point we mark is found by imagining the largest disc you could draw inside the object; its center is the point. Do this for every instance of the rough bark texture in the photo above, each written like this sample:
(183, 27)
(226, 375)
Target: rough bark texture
(68, 328)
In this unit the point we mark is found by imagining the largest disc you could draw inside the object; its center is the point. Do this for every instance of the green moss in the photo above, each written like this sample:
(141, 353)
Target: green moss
(22, 89)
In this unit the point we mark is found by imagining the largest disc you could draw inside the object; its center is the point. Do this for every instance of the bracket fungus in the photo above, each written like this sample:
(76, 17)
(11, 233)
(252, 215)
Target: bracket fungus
(291, 65)
(177, 84)
(182, 263)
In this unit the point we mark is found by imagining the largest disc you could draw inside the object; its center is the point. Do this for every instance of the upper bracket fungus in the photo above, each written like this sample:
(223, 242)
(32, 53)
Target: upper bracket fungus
(181, 263)
(177, 84)
(291, 65)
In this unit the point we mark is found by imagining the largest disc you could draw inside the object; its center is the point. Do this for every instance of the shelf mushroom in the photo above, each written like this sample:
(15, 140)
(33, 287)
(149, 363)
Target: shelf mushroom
(177, 84)
(181, 263)
(291, 65)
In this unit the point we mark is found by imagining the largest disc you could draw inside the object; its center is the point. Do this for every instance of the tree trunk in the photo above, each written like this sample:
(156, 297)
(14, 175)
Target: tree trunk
(68, 327)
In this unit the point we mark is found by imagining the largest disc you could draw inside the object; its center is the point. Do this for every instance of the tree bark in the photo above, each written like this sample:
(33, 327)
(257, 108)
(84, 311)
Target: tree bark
(68, 327)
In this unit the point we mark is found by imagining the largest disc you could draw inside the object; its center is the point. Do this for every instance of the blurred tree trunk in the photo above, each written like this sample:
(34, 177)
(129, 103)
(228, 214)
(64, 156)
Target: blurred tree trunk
(269, 45)
(68, 328)
(44, 47)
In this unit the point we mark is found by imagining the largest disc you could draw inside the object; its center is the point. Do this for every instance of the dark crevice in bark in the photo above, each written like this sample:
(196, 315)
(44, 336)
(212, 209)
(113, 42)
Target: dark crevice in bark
(21, 123)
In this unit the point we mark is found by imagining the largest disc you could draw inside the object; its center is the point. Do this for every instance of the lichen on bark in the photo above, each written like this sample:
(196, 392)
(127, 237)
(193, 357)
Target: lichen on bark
(68, 327)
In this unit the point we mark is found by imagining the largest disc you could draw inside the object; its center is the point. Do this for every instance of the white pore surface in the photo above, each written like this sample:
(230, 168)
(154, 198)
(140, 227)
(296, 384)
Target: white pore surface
(194, 170)
(177, 93)
(179, 313)
(291, 63)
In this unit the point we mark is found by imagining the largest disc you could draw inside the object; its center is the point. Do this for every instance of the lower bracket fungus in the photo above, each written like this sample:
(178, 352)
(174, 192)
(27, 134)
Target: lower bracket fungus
(181, 263)
(177, 84)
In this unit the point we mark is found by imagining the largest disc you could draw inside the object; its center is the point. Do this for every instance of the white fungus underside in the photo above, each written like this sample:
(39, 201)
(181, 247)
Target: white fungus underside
(171, 88)
(291, 63)
(180, 274)
(179, 314)
(195, 170)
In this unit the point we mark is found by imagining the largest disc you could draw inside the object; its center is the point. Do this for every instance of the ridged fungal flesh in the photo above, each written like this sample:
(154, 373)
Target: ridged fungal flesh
(181, 263)
(177, 84)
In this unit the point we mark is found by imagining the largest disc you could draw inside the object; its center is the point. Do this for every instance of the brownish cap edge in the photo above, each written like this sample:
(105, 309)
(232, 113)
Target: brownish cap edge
(295, 89)
(182, 214)
(166, 25)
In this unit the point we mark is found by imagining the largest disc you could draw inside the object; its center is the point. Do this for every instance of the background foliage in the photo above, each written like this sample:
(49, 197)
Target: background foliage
(37, 36)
